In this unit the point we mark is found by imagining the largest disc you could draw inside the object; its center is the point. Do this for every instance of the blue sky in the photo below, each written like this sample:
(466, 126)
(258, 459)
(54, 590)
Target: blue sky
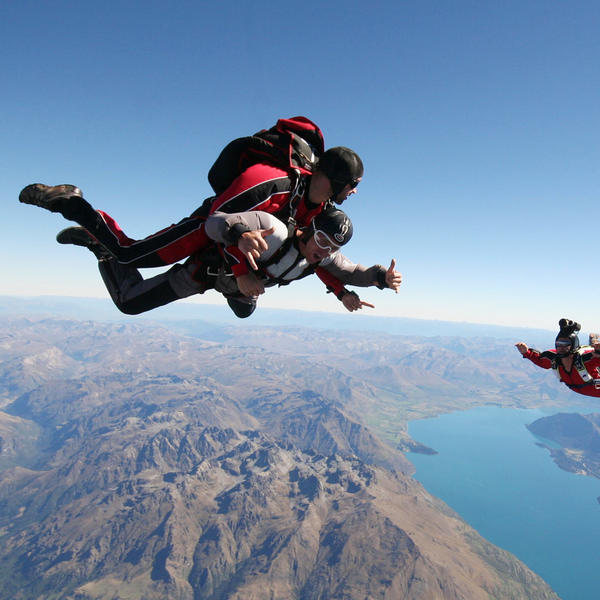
(477, 121)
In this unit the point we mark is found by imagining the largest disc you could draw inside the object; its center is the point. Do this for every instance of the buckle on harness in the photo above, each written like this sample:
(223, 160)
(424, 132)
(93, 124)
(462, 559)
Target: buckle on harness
(217, 273)
(291, 226)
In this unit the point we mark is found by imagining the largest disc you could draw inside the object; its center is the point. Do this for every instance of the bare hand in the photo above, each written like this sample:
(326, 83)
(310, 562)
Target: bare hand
(352, 302)
(393, 279)
(252, 244)
(250, 285)
(522, 348)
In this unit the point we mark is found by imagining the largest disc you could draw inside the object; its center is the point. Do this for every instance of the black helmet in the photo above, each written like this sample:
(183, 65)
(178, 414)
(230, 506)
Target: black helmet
(568, 331)
(342, 166)
(336, 226)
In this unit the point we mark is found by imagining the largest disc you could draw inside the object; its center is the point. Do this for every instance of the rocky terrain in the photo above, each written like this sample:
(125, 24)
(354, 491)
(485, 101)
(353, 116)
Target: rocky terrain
(140, 463)
(579, 438)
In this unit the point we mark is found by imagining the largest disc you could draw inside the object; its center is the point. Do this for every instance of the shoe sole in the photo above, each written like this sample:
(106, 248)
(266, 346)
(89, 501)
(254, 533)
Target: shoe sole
(77, 236)
(44, 196)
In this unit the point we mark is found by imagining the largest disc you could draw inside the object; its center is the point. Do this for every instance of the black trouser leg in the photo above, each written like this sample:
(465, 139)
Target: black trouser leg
(131, 293)
(167, 246)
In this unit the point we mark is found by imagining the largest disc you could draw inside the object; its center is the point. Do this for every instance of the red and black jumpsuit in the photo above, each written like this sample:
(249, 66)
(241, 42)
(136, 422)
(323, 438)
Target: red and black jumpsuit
(261, 187)
(572, 378)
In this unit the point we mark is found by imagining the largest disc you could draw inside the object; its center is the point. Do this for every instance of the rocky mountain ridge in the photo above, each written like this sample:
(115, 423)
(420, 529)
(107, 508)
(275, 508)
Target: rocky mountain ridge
(169, 467)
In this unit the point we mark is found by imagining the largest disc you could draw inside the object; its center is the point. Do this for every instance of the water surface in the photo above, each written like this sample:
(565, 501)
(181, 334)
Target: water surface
(492, 472)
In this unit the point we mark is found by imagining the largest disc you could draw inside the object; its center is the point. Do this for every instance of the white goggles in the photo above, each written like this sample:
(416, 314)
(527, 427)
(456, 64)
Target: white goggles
(324, 242)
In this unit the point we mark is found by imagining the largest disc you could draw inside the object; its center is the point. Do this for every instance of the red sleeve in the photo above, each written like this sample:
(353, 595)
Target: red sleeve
(333, 283)
(537, 359)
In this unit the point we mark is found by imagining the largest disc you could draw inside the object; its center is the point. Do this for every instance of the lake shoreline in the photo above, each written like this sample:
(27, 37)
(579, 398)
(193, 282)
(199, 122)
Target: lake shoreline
(495, 474)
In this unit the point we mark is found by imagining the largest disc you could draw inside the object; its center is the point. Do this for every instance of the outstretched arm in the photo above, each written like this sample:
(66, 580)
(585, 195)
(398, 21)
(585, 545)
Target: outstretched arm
(352, 273)
(337, 270)
(541, 359)
(522, 348)
(349, 299)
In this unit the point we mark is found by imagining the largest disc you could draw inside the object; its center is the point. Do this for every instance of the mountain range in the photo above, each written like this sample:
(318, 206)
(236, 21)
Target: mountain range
(142, 462)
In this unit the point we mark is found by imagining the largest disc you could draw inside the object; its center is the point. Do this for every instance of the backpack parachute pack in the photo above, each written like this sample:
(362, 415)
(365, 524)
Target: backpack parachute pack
(294, 145)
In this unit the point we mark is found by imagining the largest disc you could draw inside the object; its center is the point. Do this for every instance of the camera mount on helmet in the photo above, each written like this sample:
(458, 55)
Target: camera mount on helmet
(568, 331)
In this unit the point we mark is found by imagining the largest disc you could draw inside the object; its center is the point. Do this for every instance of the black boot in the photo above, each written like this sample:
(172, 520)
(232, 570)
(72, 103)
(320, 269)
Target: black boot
(78, 236)
(65, 199)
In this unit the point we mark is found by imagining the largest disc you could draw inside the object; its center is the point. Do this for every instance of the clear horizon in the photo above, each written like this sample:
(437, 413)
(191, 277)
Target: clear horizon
(102, 309)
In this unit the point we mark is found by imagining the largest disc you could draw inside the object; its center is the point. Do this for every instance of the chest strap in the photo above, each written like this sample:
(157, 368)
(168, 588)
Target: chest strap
(298, 189)
(278, 255)
(580, 368)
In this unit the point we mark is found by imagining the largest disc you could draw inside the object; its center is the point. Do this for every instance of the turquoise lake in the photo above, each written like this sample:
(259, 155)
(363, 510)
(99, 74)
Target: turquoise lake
(491, 472)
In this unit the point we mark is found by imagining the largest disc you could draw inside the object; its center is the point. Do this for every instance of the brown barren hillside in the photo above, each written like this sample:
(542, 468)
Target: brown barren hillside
(160, 466)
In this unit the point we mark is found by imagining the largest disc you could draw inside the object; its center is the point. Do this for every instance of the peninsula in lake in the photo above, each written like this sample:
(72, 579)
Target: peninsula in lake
(578, 437)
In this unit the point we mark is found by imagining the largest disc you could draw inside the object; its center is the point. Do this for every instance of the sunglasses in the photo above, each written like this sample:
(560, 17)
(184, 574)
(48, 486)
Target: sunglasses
(562, 344)
(337, 185)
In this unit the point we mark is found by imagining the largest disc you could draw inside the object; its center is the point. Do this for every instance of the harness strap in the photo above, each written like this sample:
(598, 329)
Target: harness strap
(309, 270)
(576, 386)
(581, 369)
(278, 255)
(298, 189)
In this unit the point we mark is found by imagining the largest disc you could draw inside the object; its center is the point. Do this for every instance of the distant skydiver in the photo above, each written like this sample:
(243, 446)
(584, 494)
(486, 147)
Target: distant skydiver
(250, 251)
(576, 366)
